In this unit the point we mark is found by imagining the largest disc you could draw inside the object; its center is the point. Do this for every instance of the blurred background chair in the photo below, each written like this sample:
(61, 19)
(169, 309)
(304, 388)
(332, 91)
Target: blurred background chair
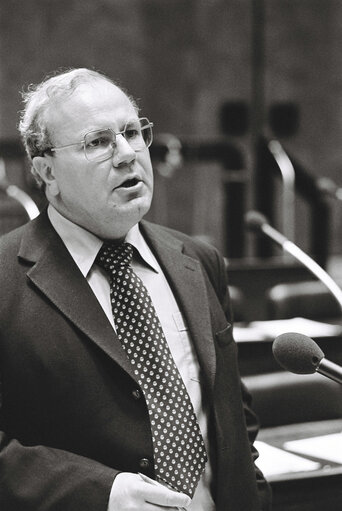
(307, 299)
(283, 398)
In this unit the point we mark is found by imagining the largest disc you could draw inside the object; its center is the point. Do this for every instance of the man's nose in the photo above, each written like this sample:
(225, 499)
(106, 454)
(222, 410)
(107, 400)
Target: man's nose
(123, 152)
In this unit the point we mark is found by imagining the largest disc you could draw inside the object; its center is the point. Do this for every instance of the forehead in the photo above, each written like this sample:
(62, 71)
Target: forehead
(91, 106)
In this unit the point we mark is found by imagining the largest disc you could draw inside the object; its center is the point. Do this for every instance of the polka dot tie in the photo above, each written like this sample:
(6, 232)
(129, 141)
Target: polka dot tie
(179, 451)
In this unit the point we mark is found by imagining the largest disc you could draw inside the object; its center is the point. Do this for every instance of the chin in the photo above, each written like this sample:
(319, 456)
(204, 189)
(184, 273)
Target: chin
(125, 216)
(137, 208)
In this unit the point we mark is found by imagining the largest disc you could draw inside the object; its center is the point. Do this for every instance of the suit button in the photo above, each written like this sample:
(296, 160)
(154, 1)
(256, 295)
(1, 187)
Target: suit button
(144, 463)
(136, 394)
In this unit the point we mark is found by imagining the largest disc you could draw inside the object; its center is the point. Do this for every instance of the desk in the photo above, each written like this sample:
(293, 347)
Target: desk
(294, 401)
(316, 490)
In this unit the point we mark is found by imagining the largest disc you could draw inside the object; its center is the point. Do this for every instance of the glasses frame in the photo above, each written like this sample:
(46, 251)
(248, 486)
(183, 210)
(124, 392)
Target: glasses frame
(148, 125)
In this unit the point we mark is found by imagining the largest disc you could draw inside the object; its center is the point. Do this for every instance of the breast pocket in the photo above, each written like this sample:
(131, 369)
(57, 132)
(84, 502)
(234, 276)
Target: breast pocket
(185, 356)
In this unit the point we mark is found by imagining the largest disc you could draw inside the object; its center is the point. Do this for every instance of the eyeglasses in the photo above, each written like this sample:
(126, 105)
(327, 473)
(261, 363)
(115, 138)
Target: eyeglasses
(99, 145)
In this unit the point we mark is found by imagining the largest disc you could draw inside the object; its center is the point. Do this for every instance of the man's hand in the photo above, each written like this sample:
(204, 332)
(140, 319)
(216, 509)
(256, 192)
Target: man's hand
(130, 493)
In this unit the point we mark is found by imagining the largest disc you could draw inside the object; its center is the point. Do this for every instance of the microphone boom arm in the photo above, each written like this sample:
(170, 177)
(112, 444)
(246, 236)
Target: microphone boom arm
(306, 260)
(330, 370)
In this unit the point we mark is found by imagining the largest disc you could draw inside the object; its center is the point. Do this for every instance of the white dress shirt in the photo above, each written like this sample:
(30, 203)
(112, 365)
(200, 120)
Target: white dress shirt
(83, 247)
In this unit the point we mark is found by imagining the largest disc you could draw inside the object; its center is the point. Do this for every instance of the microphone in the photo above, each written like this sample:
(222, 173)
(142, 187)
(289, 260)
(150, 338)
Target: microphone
(328, 187)
(173, 154)
(256, 221)
(300, 354)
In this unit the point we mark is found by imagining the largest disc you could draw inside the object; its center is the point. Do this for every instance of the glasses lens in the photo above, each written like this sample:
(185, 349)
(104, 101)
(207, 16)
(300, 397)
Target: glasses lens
(99, 145)
(146, 128)
(138, 134)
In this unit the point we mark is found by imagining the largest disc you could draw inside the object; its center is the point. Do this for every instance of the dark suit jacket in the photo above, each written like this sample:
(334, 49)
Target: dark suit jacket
(70, 416)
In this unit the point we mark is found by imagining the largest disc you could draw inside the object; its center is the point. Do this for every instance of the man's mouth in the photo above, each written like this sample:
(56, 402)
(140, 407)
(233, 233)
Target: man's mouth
(129, 183)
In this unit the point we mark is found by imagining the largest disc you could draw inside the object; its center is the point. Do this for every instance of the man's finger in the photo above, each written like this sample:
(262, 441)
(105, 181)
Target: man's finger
(162, 496)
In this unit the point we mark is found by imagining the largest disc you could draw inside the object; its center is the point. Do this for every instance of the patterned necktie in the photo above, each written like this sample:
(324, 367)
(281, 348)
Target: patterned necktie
(179, 451)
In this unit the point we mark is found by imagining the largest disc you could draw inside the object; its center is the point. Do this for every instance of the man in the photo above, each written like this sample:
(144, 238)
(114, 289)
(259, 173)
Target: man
(79, 426)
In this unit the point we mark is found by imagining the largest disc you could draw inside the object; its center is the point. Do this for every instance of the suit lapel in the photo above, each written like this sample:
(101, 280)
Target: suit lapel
(187, 283)
(57, 276)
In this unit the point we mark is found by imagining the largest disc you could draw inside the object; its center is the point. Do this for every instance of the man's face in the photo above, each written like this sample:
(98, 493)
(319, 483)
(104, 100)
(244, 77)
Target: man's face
(107, 197)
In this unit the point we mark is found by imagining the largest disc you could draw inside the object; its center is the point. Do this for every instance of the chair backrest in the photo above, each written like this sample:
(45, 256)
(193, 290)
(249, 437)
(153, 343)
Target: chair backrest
(308, 299)
(283, 398)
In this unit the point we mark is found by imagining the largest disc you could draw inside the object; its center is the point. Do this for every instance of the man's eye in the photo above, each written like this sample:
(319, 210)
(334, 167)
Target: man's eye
(132, 133)
(98, 142)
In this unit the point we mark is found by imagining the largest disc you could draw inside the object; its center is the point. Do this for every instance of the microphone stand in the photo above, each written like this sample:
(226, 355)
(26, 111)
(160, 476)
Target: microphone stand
(24, 199)
(17, 194)
(306, 260)
(288, 176)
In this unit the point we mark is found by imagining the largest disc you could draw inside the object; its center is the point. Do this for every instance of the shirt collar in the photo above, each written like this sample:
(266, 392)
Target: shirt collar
(84, 246)
(135, 238)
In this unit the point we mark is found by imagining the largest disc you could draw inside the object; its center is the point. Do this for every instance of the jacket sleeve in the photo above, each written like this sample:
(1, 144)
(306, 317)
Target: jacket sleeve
(250, 417)
(38, 478)
(253, 429)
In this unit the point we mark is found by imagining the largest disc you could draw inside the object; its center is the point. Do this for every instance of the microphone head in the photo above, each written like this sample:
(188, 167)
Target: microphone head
(297, 353)
(327, 186)
(254, 220)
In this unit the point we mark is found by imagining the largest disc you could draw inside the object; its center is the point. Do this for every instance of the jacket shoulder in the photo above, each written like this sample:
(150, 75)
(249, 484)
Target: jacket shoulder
(211, 260)
(10, 243)
(192, 245)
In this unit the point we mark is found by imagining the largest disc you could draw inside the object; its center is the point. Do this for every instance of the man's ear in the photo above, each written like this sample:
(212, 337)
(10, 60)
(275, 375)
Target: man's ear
(43, 168)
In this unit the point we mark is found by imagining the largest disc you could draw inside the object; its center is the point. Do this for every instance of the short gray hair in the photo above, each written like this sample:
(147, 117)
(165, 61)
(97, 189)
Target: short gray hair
(38, 97)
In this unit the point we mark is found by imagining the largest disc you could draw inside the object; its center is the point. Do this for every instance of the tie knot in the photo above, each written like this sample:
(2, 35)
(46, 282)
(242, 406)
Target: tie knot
(111, 256)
